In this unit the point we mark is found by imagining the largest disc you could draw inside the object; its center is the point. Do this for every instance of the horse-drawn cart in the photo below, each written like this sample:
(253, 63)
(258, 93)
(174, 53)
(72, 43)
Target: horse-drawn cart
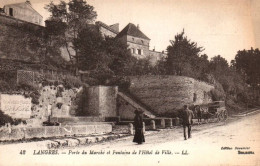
(218, 110)
(215, 111)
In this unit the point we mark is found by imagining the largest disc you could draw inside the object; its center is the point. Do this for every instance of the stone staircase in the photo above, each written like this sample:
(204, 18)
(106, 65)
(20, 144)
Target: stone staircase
(132, 102)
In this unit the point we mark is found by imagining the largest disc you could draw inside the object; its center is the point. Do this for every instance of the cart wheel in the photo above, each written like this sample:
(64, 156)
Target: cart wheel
(225, 115)
(219, 118)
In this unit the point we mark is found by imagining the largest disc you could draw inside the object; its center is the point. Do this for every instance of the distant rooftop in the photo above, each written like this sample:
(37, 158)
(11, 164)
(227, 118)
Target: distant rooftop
(132, 30)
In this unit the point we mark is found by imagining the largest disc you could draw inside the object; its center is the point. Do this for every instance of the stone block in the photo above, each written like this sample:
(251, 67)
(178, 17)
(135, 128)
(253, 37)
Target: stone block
(31, 132)
(82, 140)
(51, 131)
(73, 142)
(103, 128)
(52, 144)
(130, 129)
(99, 138)
(91, 140)
(90, 129)
(79, 129)
(62, 142)
(65, 130)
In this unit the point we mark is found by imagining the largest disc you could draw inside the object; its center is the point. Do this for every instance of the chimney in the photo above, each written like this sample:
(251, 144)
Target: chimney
(154, 48)
(137, 26)
(27, 1)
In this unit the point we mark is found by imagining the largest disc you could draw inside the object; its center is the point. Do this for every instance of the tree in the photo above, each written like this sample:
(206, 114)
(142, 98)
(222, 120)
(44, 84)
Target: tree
(247, 63)
(69, 19)
(183, 56)
(104, 57)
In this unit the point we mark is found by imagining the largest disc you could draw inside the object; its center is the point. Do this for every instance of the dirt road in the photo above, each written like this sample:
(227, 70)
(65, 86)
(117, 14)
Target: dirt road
(233, 143)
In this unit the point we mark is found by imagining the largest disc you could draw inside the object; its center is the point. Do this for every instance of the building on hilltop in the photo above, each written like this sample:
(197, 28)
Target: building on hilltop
(108, 30)
(139, 43)
(23, 11)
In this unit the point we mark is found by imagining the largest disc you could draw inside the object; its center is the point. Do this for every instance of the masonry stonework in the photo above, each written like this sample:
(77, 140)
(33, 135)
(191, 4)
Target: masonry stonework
(23, 11)
(16, 106)
(165, 94)
(101, 101)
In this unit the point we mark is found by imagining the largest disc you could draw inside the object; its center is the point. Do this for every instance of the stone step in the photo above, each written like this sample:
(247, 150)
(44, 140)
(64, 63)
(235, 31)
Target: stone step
(136, 105)
(77, 141)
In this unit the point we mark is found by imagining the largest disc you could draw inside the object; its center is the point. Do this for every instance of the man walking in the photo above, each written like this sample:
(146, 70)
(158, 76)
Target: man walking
(187, 116)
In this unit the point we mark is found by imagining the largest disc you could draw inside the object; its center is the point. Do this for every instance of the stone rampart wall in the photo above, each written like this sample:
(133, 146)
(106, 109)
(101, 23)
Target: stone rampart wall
(169, 93)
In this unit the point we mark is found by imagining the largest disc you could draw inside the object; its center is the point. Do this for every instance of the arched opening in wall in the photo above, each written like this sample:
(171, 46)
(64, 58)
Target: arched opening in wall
(205, 95)
(11, 12)
(194, 97)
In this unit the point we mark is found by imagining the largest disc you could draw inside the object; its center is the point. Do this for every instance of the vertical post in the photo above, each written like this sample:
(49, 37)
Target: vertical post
(131, 129)
(153, 125)
(162, 123)
(143, 127)
(168, 122)
(177, 121)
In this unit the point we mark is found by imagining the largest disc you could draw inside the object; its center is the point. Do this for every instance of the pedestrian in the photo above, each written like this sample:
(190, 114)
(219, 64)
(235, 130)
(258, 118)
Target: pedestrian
(199, 114)
(206, 115)
(187, 116)
(138, 124)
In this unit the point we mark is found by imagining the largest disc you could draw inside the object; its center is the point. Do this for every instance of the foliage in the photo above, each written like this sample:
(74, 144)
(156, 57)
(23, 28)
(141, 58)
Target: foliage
(68, 19)
(4, 86)
(99, 54)
(217, 95)
(247, 63)
(5, 118)
(91, 50)
(71, 82)
(183, 56)
(80, 102)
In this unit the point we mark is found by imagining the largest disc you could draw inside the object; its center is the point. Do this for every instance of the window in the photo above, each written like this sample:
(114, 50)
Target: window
(139, 51)
(11, 12)
(133, 39)
(142, 41)
(133, 51)
(194, 97)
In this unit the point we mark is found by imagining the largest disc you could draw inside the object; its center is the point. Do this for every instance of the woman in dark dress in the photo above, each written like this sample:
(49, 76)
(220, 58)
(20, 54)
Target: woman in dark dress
(138, 123)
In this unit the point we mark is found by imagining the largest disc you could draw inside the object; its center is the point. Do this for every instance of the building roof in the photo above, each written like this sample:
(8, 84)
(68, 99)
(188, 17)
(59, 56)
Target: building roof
(99, 23)
(28, 3)
(132, 30)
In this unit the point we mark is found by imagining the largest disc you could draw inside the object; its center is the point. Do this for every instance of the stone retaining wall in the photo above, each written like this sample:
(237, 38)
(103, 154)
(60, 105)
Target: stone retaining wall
(164, 94)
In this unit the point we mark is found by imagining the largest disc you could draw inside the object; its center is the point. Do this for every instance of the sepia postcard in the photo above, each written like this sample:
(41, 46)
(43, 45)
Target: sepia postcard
(129, 82)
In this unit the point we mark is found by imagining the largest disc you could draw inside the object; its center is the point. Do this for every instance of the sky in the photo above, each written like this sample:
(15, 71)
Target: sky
(222, 27)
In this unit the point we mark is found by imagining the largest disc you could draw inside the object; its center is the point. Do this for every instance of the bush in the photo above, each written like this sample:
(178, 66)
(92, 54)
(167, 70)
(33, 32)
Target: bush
(27, 87)
(123, 83)
(4, 86)
(217, 95)
(5, 119)
(72, 82)
(35, 97)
